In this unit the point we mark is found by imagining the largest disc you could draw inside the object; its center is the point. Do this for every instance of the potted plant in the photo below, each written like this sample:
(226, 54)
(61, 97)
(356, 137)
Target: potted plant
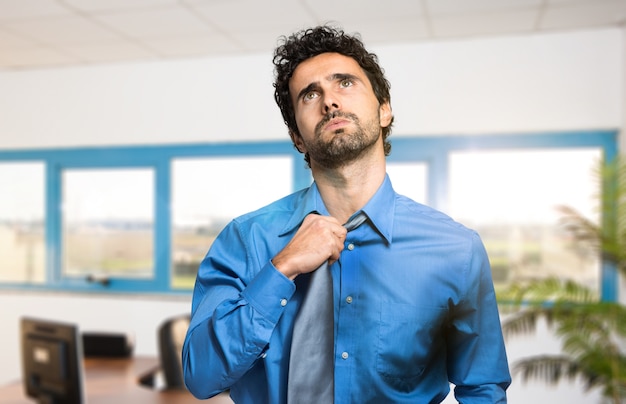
(592, 331)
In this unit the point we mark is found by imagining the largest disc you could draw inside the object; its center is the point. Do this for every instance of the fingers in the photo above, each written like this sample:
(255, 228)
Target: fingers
(324, 227)
(327, 236)
(319, 239)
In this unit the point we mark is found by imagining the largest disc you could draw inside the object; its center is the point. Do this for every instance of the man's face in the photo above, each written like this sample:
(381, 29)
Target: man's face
(337, 113)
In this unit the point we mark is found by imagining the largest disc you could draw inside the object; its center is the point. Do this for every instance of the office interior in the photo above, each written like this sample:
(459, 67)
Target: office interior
(507, 83)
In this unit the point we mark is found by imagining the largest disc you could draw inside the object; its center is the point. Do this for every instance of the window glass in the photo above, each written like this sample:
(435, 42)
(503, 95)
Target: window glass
(208, 192)
(108, 222)
(410, 179)
(22, 222)
(510, 198)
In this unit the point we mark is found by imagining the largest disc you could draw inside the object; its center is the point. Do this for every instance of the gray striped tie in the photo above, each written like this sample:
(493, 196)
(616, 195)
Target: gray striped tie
(311, 370)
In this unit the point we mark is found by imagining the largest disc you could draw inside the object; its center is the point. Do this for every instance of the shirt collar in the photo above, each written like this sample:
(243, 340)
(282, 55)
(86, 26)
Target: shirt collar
(311, 202)
(379, 209)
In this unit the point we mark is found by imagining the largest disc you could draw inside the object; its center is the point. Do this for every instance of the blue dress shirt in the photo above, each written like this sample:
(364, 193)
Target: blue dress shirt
(415, 308)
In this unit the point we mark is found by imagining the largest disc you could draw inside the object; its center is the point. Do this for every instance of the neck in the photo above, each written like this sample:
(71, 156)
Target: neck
(345, 190)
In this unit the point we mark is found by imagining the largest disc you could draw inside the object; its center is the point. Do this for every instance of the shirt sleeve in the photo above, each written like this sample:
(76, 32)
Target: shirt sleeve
(477, 363)
(235, 308)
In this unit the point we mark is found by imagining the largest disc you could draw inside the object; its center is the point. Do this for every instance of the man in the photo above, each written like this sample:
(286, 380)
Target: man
(414, 305)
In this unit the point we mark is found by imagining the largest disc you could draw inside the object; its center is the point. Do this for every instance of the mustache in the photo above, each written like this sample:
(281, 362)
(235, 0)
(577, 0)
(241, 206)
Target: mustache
(332, 115)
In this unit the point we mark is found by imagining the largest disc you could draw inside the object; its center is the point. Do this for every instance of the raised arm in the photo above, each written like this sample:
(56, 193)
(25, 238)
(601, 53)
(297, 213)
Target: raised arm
(235, 308)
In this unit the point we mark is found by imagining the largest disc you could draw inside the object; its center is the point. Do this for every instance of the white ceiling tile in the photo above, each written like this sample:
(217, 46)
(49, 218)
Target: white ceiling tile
(192, 46)
(109, 51)
(10, 41)
(573, 2)
(397, 29)
(92, 31)
(156, 23)
(205, 2)
(20, 9)
(39, 57)
(253, 15)
(259, 41)
(584, 15)
(436, 7)
(61, 30)
(116, 5)
(483, 24)
(351, 11)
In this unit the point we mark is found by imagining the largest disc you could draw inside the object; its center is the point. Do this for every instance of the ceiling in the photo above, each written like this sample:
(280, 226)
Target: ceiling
(52, 33)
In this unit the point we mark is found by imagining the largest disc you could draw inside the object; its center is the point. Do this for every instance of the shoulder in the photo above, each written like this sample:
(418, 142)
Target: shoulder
(258, 231)
(428, 226)
(274, 213)
(423, 215)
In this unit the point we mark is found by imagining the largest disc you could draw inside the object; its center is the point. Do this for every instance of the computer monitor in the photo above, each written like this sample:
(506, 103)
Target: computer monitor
(52, 361)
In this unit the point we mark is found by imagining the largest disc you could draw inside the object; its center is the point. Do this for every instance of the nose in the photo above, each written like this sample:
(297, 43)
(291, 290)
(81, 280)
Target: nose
(331, 103)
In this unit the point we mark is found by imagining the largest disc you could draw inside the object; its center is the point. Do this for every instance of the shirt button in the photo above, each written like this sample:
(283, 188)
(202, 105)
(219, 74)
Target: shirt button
(349, 299)
(350, 246)
(283, 302)
(344, 355)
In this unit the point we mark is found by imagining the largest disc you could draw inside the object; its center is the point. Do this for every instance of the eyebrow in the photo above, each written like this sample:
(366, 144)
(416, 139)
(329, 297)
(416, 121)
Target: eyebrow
(343, 76)
(332, 77)
(307, 89)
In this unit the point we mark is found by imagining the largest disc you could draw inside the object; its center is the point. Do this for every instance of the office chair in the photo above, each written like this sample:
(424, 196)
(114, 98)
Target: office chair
(170, 336)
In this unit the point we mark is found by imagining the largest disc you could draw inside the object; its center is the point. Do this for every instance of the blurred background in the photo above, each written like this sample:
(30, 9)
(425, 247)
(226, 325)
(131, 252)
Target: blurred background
(132, 131)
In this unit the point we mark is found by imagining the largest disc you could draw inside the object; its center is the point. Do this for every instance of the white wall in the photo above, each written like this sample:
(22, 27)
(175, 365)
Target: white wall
(551, 82)
(509, 84)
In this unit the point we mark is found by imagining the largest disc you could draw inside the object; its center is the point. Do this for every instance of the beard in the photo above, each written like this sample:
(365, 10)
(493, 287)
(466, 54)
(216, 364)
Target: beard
(347, 144)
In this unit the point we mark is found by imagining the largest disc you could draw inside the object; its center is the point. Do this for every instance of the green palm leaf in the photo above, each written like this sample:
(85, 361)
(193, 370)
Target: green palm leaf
(592, 332)
(548, 368)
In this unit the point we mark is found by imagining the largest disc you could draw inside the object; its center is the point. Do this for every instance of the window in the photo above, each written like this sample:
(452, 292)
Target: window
(142, 218)
(410, 179)
(204, 200)
(108, 223)
(507, 188)
(511, 197)
(22, 218)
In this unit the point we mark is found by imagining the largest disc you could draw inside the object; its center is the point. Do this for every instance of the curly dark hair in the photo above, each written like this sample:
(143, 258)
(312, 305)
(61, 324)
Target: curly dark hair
(311, 42)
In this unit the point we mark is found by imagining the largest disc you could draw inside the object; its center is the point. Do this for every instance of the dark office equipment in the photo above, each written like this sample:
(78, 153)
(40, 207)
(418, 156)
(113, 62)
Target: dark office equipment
(51, 361)
(109, 345)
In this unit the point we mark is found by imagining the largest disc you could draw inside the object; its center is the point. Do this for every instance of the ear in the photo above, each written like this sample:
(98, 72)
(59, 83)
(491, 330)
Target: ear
(297, 141)
(385, 114)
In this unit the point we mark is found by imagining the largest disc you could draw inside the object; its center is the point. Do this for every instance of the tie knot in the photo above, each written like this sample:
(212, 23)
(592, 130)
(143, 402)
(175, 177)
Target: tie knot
(355, 221)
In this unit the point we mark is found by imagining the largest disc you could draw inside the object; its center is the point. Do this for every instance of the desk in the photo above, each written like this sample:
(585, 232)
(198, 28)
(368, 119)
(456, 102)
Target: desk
(115, 381)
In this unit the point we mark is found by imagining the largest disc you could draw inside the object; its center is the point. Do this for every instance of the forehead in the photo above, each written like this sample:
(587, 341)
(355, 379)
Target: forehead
(321, 67)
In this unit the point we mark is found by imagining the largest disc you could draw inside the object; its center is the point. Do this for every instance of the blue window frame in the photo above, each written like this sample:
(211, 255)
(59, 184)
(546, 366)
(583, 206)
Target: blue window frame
(156, 158)
(434, 151)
